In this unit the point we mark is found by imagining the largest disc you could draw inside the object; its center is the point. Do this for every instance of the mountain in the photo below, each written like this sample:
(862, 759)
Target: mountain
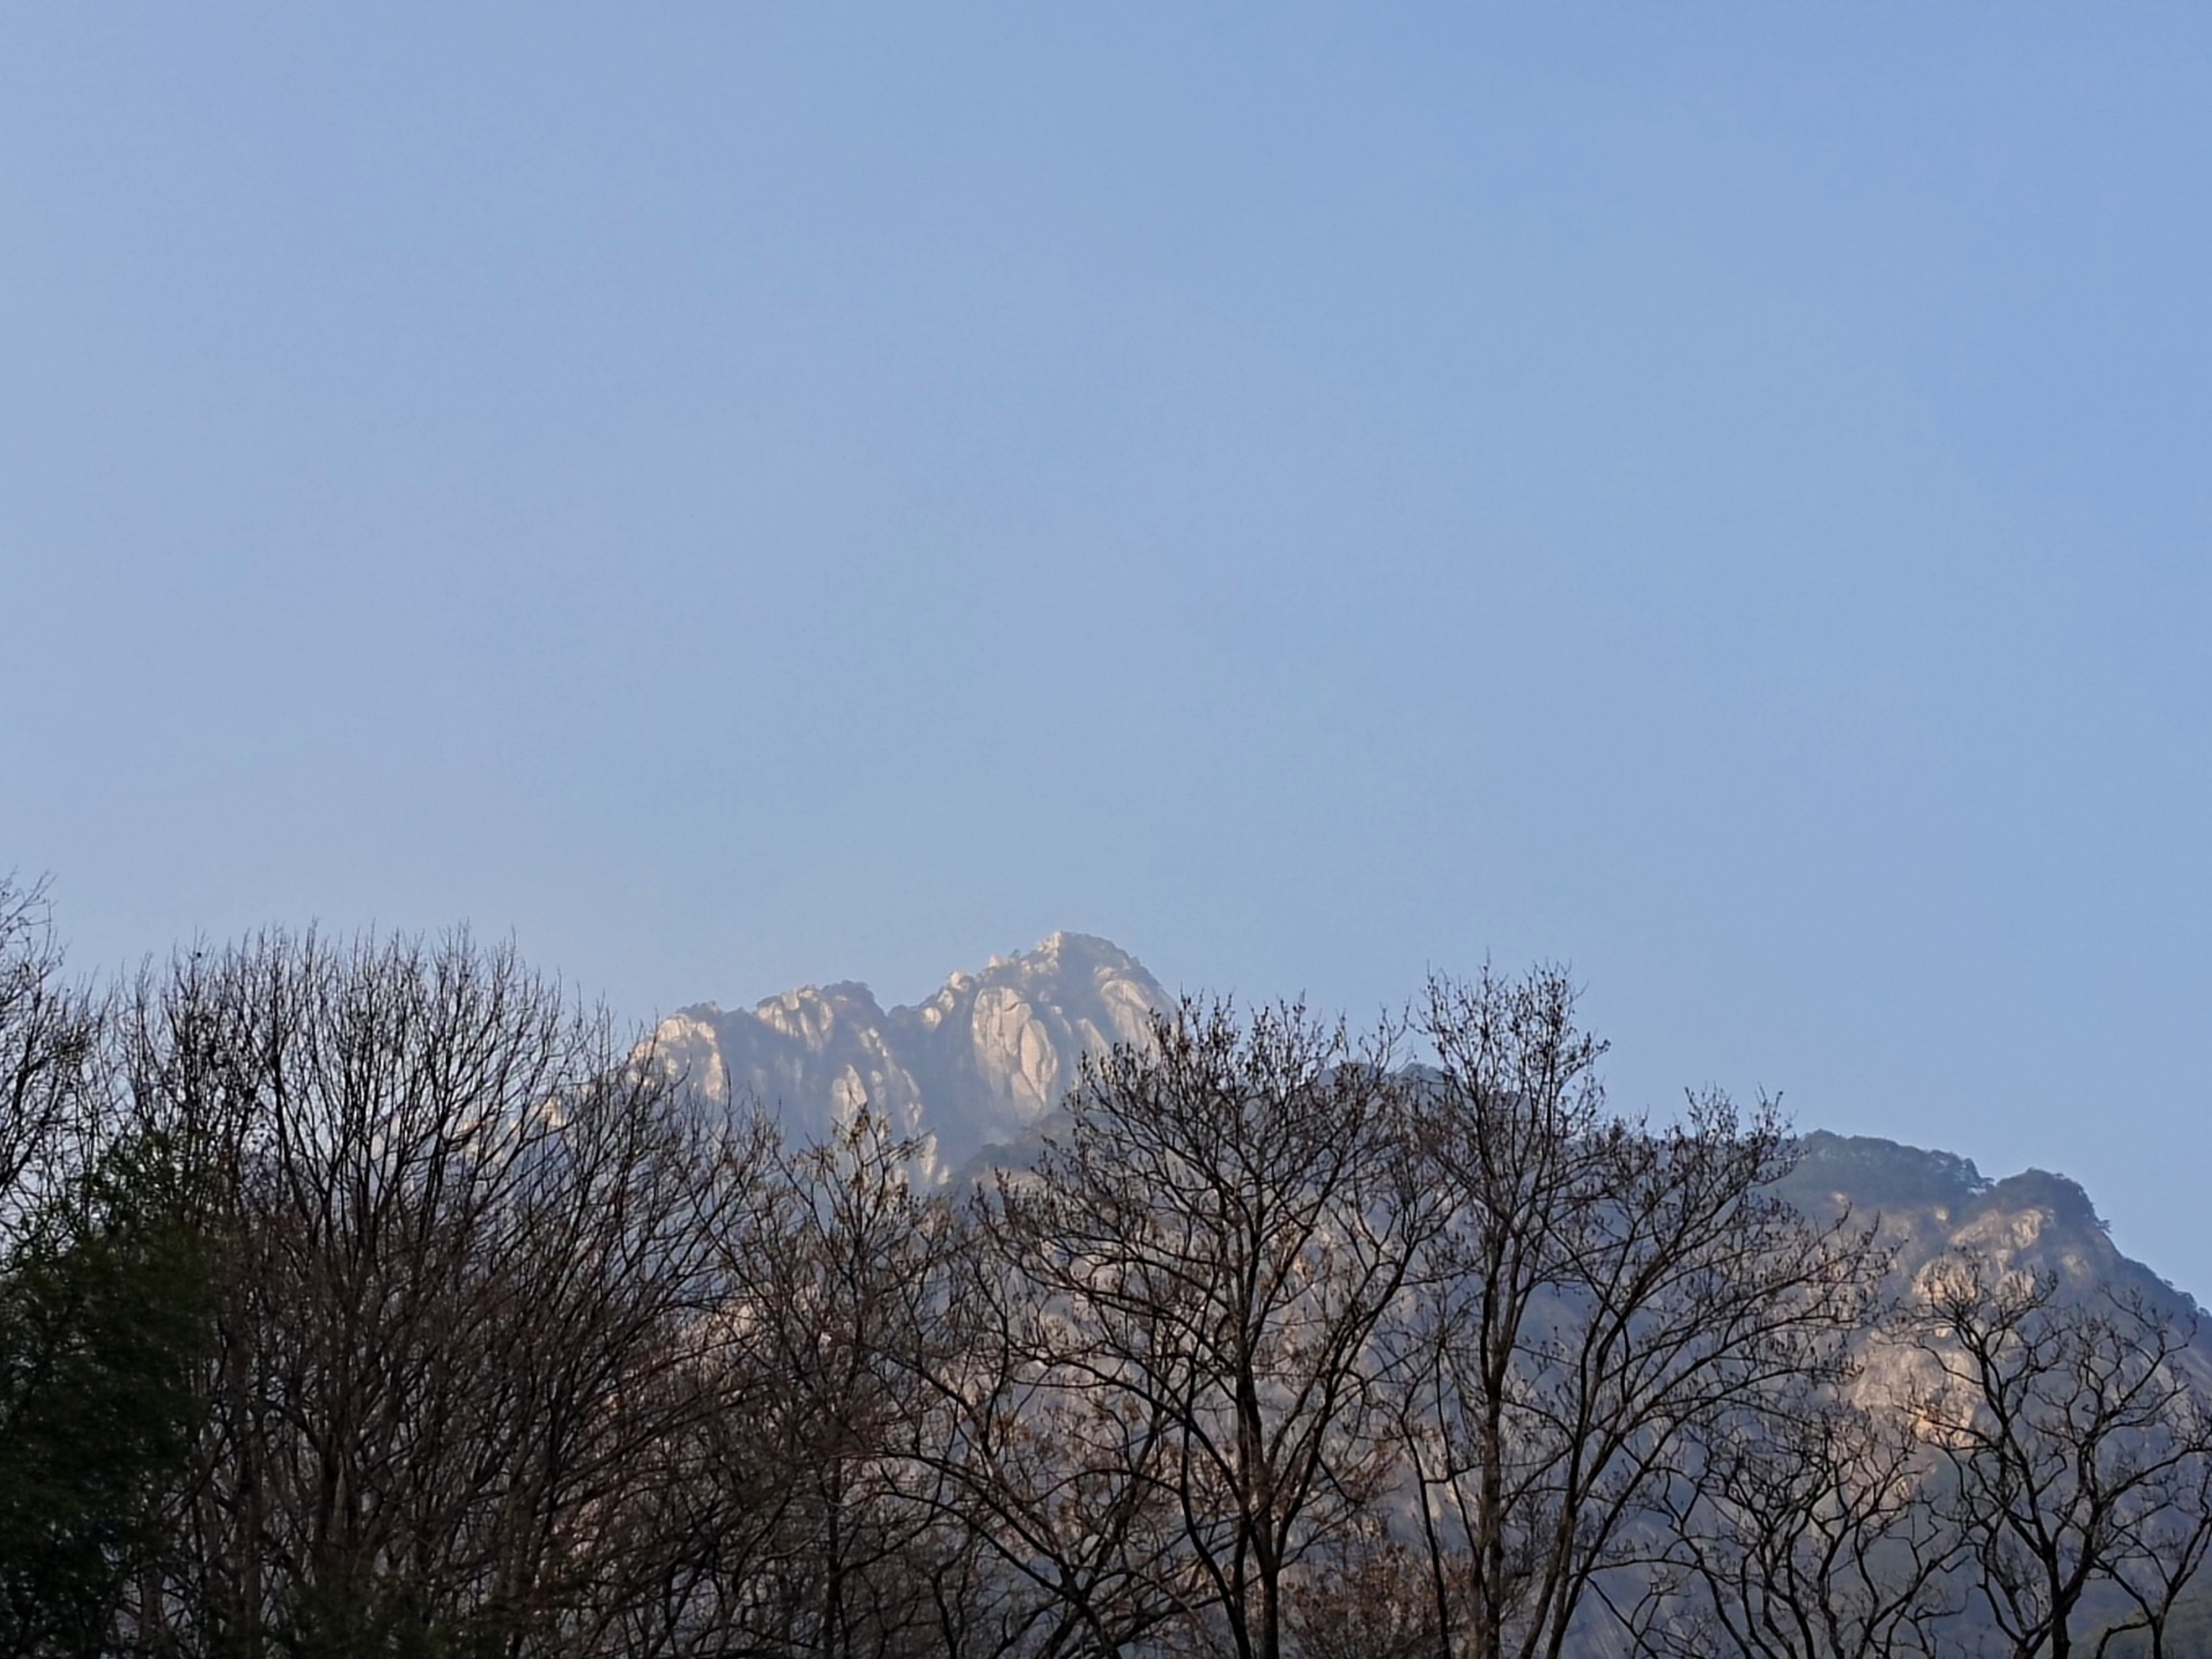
(980, 1061)
(985, 1059)
(980, 1068)
(1928, 1206)
(1931, 1204)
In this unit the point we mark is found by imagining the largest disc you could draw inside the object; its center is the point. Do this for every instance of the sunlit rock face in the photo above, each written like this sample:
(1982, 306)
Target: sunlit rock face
(1931, 1207)
(978, 1062)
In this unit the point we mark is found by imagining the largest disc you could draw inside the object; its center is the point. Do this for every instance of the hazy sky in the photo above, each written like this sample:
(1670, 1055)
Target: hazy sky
(737, 494)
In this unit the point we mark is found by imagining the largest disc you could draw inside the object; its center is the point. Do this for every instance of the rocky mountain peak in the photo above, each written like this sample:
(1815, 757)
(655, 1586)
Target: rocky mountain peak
(1933, 1204)
(979, 1060)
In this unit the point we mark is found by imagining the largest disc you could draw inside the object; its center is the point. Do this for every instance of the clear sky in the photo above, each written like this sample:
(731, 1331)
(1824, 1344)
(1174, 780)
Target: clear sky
(740, 494)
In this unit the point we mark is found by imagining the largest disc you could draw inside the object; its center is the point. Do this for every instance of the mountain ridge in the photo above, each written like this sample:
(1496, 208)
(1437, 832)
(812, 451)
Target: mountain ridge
(979, 1060)
(976, 1070)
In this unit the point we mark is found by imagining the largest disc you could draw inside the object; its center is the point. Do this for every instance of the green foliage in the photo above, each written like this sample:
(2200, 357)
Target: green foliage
(105, 1310)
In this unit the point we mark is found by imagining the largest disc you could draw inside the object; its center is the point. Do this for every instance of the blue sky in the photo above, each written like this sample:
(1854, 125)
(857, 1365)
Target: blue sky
(735, 495)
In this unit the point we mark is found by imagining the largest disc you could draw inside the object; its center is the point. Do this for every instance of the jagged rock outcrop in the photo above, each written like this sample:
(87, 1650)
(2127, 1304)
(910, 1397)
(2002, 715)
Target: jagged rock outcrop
(981, 1060)
(1933, 1207)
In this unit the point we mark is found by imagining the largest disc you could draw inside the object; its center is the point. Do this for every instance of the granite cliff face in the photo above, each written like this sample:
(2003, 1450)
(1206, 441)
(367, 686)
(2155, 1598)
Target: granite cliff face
(978, 1062)
(1931, 1207)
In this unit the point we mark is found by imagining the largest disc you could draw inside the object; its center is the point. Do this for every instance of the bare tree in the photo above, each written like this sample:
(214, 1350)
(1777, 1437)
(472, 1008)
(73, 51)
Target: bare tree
(1366, 1598)
(838, 1303)
(1066, 1484)
(1602, 1287)
(103, 1310)
(2078, 1444)
(1807, 1529)
(515, 1345)
(1213, 1247)
(470, 1248)
(50, 1033)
